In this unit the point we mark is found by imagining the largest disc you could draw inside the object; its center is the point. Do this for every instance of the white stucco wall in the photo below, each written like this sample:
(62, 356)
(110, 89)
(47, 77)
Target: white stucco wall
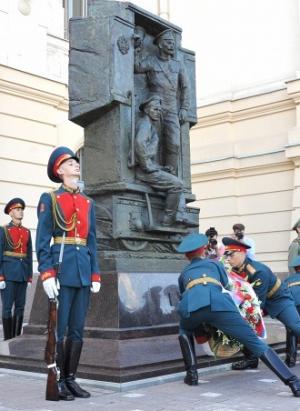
(242, 46)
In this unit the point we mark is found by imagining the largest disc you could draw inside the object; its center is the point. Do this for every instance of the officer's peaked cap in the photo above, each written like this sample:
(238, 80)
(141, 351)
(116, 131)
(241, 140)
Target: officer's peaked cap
(166, 34)
(192, 242)
(295, 262)
(234, 245)
(57, 157)
(14, 203)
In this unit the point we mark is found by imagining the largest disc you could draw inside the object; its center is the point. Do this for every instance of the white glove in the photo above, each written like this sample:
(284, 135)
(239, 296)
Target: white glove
(51, 287)
(2, 285)
(29, 285)
(95, 287)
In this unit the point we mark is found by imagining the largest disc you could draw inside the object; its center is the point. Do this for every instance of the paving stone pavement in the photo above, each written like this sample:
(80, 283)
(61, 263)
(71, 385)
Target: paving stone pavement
(225, 390)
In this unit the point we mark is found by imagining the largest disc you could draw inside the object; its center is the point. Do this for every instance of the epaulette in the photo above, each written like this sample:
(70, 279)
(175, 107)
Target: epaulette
(251, 270)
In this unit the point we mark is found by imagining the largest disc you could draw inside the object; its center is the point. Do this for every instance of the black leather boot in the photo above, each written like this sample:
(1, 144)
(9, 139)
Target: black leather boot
(249, 362)
(272, 361)
(14, 323)
(7, 328)
(189, 357)
(64, 393)
(17, 324)
(291, 348)
(73, 352)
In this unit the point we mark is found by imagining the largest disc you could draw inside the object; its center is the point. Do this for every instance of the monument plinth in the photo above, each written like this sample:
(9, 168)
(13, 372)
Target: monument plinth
(132, 88)
(135, 167)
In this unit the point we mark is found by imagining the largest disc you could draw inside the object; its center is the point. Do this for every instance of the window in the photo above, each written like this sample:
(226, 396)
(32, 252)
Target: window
(73, 8)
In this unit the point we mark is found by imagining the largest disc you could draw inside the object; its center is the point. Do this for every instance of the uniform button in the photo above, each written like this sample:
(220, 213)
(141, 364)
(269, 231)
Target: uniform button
(77, 209)
(58, 196)
(204, 275)
(87, 201)
(78, 222)
(75, 196)
(77, 235)
(77, 248)
(21, 259)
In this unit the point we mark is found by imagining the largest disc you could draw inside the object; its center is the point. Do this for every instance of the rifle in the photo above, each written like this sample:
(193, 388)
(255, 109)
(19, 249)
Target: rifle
(52, 393)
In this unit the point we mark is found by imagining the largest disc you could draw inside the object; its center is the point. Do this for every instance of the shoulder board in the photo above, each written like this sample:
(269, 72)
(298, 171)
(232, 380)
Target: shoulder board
(250, 269)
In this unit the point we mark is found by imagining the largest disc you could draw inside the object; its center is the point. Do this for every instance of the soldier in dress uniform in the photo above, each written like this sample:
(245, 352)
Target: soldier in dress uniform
(202, 301)
(274, 296)
(293, 283)
(294, 247)
(70, 213)
(15, 268)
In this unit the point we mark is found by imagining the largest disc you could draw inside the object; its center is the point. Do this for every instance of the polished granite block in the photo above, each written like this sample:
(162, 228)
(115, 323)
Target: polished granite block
(129, 305)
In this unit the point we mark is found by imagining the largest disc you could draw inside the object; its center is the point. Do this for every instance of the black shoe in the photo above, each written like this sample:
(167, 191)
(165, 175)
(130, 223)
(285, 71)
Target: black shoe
(272, 361)
(73, 352)
(75, 388)
(7, 328)
(290, 364)
(245, 364)
(295, 386)
(191, 377)
(63, 391)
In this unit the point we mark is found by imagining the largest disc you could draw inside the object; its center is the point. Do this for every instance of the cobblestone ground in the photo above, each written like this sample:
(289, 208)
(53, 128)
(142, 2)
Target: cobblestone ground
(225, 390)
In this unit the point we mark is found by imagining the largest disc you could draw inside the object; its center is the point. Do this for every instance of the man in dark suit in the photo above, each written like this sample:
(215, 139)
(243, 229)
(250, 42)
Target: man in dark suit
(15, 268)
(201, 285)
(67, 216)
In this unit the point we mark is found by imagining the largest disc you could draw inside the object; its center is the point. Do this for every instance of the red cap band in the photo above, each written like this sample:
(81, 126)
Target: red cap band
(15, 205)
(58, 162)
(233, 247)
(199, 250)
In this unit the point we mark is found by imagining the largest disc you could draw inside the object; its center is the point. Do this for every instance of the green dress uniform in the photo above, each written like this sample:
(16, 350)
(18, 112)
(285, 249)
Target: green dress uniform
(293, 284)
(15, 270)
(203, 300)
(294, 248)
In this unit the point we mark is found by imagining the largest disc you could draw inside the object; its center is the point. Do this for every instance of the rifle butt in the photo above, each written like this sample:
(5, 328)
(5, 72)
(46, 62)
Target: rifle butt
(52, 393)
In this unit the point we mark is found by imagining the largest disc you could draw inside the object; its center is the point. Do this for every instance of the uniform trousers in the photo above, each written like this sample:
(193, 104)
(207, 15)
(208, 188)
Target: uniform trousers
(291, 319)
(230, 322)
(73, 304)
(13, 294)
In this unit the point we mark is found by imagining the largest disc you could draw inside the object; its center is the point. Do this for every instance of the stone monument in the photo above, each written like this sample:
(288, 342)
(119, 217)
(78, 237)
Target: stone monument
(132, 88)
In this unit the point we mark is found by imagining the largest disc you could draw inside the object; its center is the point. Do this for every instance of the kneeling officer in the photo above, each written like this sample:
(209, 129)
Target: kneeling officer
(202, 301)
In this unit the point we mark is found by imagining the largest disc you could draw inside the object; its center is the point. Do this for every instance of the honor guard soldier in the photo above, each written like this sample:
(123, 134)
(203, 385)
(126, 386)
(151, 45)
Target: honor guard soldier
(202, 301)
(294, 248)
(15, 268)
(67, 216)
(293, 283)
(274, 296)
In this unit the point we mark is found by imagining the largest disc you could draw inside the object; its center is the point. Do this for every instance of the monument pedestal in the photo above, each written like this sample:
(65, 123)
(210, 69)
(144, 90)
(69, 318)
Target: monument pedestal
(132, 324)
